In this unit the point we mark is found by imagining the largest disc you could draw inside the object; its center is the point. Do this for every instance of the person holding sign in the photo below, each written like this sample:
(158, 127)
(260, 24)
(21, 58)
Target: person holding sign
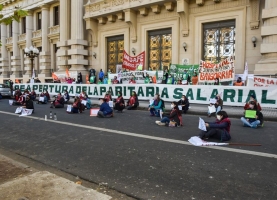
(76, 107)
(132, 81)
(58, 102)
(220, 129)
(184, 102)
(156, 107)
(20, 101)
(119, 102)
(239, 82)
(185, 78)
(217, 103)
(29, 104)
(253, 117)
(146, 78)
(133, 102)
(173, 118)
(170, 79)
(105, 110)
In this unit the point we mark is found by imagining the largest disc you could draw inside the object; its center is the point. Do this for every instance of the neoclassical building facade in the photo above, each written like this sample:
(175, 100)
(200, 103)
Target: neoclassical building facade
(85, 34)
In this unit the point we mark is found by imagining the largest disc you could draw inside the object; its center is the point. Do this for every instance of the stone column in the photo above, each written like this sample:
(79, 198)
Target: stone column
(4, 53)
(29, 35)
(268, 64)
(45, 61)
(77, 41)
(62, 53)
(15, 59)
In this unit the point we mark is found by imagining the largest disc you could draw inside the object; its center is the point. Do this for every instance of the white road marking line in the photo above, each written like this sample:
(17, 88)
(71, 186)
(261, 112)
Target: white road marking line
(254, 153)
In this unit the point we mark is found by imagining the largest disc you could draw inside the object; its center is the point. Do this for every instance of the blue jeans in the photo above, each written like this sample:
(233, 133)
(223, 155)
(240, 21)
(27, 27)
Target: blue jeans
(217, 110)
(165, 120)
(155, 112)
(253, 124)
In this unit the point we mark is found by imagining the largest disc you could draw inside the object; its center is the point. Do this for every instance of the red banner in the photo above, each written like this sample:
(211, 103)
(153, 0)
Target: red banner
(132, 63)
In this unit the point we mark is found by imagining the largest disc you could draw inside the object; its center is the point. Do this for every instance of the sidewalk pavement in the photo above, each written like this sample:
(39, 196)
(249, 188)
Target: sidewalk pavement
(19, 181)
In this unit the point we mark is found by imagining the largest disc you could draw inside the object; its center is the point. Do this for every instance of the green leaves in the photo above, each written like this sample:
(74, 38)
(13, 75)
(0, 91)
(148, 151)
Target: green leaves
(17, 15)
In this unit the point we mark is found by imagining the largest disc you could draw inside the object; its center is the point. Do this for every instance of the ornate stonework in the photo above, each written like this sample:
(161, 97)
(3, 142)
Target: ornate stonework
(255, 8)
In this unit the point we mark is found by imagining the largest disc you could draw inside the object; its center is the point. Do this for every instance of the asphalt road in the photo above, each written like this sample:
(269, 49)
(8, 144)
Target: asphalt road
(120, 153)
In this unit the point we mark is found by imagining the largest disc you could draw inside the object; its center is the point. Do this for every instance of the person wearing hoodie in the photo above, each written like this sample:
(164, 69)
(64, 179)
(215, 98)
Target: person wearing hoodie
(253, 121)
(220, 129)
(156, 106)
(105, 110)
(174, 118)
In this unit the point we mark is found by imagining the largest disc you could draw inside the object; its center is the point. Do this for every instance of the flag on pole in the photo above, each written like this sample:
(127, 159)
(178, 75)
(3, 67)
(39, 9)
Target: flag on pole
(54, 76)
(245, 74)
(33, 77)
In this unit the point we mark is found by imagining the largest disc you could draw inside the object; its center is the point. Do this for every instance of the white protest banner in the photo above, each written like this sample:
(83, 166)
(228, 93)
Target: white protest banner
(126, 76)
(208, 72)
(259, 81)
(26, 112)
(196, 141)
(202, 125)
(199, 94)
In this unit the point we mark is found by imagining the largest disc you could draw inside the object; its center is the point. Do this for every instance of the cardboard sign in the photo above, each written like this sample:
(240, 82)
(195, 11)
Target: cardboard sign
(93, 112)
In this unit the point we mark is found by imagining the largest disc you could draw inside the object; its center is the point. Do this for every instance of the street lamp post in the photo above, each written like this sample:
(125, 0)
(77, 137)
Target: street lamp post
(32, 53)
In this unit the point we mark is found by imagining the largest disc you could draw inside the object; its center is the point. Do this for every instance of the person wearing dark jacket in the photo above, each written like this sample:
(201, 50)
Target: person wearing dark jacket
(184, 102)
(105, 110)
(29, 104)
(173, 117)
(133, 102)
(255, 121)
(58, 102)
(220, 129)
(66, 96)
(119, 102)
(80, 78)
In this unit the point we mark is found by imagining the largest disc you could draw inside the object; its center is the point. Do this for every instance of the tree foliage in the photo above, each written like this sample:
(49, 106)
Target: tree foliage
(17, 15)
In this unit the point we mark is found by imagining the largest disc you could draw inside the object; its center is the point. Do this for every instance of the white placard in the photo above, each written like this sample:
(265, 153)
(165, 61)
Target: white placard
(94, 112)
(202, 125)
(18, 110)
(111, 104)
(180, 107)
(213, 101)
(211, 109)
(84, 102)
(151, 101)
(11, 102)
(184, 82)
(41, 99)
(26, 112)
(68, 109)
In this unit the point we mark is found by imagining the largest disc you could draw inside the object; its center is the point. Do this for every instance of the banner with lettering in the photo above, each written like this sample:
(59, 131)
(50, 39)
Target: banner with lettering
(139, 76)
(133, 63)
(178, 70)
(224, 70)
(199, 94)
(259, 81)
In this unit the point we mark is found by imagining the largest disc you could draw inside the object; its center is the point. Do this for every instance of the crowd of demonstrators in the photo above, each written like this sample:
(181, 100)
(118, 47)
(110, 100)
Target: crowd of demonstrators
(184, 102)
(133, 102)
(220, 129)
(254, 118)
(218, 105)
(173, 119)
(119, 103)
(105, 110)
(58, 102)
(156, 106)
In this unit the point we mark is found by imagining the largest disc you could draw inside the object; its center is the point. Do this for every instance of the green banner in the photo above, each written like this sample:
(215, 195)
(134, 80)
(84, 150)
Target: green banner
(178, 70)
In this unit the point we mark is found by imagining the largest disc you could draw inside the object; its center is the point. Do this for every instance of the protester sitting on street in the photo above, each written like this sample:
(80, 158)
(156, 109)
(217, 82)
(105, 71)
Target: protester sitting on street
(29, 104)
(33, 95)
(252, 98)
(17, 94)
(173, 118)
(26, 92)
(133, 102)
(184, 102)
(47, 95)
(218, 105)
(132, 81)
(115, 81)
(84, 98)
(105, 110)
(119, 102)
(239, 82)
(66, 96)
(216, 81)
(58, 102)
(42, 95)
(20, 101)
(252, 119)
(83, 95)
(76, 106)
(156, 106)
(220, 129)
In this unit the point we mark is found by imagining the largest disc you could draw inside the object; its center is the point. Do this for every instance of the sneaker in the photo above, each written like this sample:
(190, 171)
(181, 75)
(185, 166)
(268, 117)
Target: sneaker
(157, 122)
(161, 124)
(254, 126)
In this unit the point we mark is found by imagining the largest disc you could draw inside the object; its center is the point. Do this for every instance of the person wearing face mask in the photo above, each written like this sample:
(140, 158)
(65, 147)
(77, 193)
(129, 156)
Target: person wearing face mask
(156, 106)
(119, 102)
(133, 102)
(239, 82)
(220, 129)
(194, 79)
(216, 81)
(185, 78)
(255, 120)
(173, 118)
(218, 105)
(252, 98)
(132, 81)
(184, 102)
(170, 79)
(105, 110)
